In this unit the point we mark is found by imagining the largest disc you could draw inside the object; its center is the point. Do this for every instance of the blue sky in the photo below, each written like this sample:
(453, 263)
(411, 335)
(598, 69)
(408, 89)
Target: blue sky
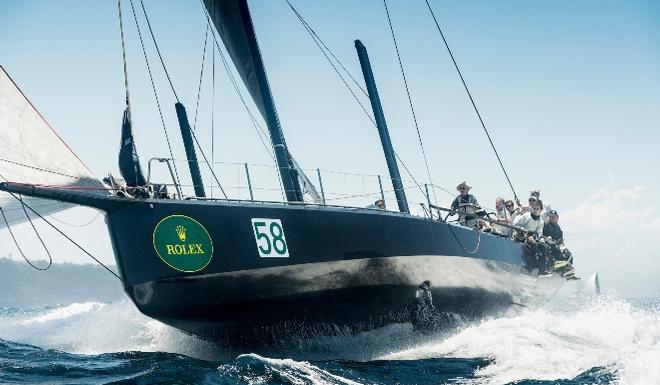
(569, 90)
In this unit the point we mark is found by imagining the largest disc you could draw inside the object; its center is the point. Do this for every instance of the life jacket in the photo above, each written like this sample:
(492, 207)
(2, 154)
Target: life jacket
(465, 205)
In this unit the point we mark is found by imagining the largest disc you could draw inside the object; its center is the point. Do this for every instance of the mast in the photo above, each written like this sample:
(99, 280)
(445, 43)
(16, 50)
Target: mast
(189, 146)
(233, 22)
(129, 161)
(382, 127)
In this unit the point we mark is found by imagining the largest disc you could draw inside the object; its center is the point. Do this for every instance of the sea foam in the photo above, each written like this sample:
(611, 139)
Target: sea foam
(546, 343)
(549, 344)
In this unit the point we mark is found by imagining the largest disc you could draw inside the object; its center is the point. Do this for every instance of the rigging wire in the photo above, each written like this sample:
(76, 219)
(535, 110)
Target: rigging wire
(255, 123)
(315, 36)
(410, 102)
(319, 43)
(89, 222)
(153, 87)
(201, 74)
(171, 85)
(207, 162)
(24, 206)
(65, 236)
(13, 237)
(474, 105)
(232, 79)
(366, 113)
(153, 37)
(478, 242)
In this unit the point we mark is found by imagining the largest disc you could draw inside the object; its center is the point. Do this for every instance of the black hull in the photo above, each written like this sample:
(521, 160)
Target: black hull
(347, 268)
(344, 268)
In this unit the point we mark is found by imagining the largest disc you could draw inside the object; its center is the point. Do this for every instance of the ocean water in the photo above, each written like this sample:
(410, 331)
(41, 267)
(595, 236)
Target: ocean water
(605, 340)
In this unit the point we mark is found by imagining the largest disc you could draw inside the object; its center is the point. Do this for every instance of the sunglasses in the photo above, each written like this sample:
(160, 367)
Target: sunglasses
(509, 205)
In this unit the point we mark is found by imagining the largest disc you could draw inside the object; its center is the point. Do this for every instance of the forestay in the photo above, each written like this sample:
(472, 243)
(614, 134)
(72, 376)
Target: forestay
(32, 152)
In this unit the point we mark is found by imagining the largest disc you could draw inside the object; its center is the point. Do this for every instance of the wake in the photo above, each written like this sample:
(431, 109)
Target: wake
(549, 343)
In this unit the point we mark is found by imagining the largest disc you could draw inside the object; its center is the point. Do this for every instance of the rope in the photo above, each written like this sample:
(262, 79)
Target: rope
(315, 36)
(317, 40)
(318, 43)
(201, 74)
(153, 37)
(47, 170)
(64, 235)
(461, 244)
(419, 187)
(207, 162)
(153, 87)
(410, 102)
(199, 90)
(255, 123)
(24, 205)
(474, 105)
(13, 237)
(73, 224)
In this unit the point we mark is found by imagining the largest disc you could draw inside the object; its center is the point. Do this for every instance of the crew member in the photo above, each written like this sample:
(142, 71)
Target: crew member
(532, 233)
(554, 236)
(512, 210)
(465, 205)
(501, 216)
(531, 201)
(379, 204)
(546, 206)
(531, 221)
(552, 229)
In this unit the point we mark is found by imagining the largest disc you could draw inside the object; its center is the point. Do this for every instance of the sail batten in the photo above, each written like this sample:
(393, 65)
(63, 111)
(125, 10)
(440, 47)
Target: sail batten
(33, 153)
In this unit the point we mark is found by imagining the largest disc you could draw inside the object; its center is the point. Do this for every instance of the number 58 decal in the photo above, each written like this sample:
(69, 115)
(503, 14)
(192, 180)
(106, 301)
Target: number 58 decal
(269, 235)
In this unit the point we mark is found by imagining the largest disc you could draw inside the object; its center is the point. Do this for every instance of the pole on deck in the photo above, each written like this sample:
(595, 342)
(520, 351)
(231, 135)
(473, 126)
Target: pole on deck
(379, 116)
(318, 172)
(382, 193)
(195, 175)
(428, 199)
(247, 174)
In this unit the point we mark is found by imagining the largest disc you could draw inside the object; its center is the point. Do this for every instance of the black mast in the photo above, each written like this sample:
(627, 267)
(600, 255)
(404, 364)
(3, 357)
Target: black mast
(188, 144)
(382, 127)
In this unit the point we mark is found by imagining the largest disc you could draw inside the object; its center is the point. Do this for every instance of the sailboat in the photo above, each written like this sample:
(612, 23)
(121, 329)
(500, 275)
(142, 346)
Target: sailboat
(230, 269)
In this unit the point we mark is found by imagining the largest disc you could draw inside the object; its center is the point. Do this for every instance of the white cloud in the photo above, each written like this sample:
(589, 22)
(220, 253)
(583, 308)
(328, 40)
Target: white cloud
(615, 232)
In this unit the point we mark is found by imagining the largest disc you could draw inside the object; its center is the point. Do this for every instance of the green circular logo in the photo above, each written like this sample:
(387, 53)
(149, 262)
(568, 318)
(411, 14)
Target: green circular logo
(183, 243)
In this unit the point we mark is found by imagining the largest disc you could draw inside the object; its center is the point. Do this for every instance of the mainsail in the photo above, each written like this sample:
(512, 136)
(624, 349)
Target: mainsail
(31, 152)
(233, 22)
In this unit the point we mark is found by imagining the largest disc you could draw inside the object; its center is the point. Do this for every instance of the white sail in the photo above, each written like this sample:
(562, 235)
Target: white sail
(31, 152)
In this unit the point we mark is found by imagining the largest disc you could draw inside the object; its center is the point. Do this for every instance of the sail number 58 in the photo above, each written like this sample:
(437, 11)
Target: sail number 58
(269, 235)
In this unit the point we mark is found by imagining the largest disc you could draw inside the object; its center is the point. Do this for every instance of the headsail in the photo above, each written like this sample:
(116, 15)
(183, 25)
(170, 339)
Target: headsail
(32, 152)
(233, 22)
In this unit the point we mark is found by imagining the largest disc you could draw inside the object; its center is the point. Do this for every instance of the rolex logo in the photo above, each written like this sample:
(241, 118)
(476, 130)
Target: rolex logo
(181, 233)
